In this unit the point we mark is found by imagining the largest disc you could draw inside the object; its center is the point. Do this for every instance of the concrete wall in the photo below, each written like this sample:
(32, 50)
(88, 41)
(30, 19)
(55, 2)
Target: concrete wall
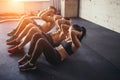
(103, 12)
(69, 8)
(56, 4)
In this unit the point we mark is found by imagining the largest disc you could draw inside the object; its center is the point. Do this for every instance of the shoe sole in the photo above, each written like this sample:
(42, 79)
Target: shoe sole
(28, 69)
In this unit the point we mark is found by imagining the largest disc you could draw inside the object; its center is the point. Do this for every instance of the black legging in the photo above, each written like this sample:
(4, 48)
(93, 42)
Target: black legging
(34, 39)
(42, 45)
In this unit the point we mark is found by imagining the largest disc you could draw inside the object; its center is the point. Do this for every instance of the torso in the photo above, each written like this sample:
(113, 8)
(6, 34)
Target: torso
(47, 26)
(63, 52)
(57, 37)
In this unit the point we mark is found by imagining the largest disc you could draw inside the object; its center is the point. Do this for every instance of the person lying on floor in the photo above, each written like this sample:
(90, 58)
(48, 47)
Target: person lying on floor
(45, 15)
(23, 31)
(54, 37)
(54, 55)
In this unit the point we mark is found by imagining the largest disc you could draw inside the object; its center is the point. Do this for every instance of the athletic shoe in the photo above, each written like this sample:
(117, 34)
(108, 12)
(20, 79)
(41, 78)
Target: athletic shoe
(11, 38)
(13, 42)
(27, 66)
(24, 59)
(11, 33)
(15, 50)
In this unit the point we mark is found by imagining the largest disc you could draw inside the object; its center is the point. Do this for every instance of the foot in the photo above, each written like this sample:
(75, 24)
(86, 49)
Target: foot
(13, 42)
(27, 66)
(24, 59)
(15, 50)
(12, 38)
(11, 33)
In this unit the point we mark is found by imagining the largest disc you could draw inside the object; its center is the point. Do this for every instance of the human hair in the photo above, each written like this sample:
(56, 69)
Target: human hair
(66, 18)
(80, 29)
(52, 7)
(56, 17)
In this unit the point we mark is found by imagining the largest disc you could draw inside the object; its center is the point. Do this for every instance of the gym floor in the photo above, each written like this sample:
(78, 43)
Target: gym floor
(97, 59)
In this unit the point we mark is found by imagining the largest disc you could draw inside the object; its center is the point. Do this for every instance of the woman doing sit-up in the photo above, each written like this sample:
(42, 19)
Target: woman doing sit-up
(54, 38)
(54, 55)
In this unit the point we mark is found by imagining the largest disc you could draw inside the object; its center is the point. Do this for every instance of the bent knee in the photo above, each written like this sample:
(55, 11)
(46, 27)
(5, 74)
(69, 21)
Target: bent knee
(31, 25)
(37, 34)
(24, 16)
(27, 19)
(35, 29)
(41, 41)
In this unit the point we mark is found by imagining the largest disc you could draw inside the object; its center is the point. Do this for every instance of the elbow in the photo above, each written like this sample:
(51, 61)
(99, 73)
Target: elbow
(77, 46)
(42, 17)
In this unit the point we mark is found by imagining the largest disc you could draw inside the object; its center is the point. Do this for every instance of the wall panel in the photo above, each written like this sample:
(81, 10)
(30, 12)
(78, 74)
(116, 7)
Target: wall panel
(103, 12)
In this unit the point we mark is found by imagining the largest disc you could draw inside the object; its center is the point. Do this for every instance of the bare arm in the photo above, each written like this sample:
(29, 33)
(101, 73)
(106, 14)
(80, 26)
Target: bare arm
(58, 24)
(65, 28)
(62, 22)
(68, 22)
(47, 16)
(56, 17)
(41, 12)
(75, 40)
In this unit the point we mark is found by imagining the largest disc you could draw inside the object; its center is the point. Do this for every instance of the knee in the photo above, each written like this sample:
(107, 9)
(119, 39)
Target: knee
(41, 42)
(36, 35)
(27, 19)
(30, 25)
(34, 30)
(23, 17)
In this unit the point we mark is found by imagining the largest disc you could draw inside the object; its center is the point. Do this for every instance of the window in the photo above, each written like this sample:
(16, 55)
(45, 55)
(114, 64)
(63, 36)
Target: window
(31, 0)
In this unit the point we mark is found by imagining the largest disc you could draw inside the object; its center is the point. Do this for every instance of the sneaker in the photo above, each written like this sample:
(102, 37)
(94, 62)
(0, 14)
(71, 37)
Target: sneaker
(27, 66)
(13, 42)
(24, 59)
(15, 50)
(11, 38)
(11, 33)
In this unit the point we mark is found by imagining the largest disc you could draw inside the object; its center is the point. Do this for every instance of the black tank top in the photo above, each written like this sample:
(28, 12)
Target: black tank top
(67, 47)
